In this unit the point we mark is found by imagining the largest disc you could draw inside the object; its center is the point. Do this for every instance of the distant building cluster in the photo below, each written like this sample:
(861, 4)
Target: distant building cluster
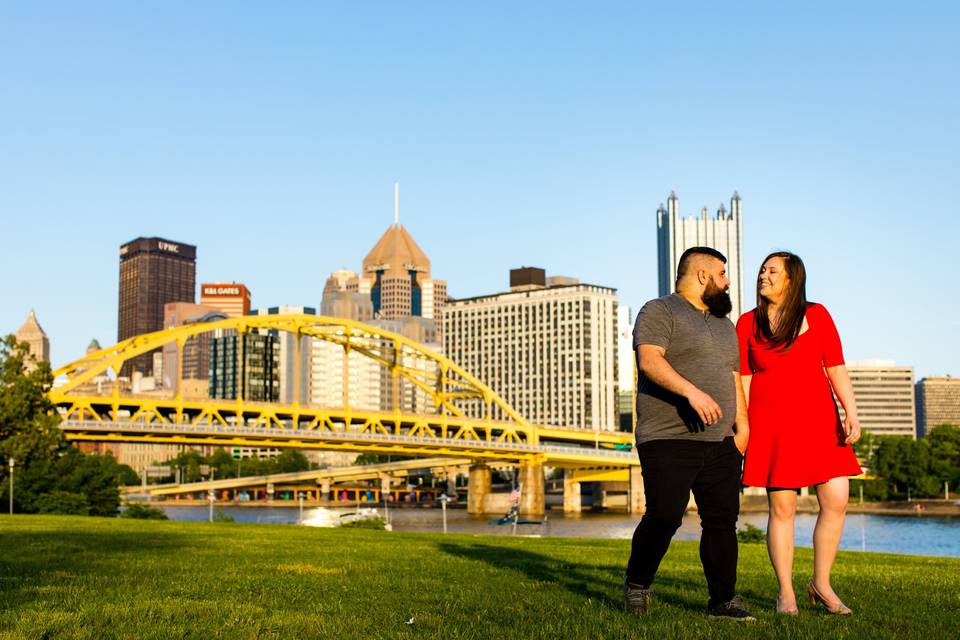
(559, 351)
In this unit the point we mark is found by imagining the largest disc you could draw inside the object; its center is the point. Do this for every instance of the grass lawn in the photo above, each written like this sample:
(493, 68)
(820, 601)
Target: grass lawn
(73, 577)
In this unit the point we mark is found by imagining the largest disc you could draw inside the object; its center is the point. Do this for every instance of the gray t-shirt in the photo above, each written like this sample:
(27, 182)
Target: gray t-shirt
(700, 347)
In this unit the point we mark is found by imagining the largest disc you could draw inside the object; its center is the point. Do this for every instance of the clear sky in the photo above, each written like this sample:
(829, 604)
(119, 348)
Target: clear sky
(544, 134)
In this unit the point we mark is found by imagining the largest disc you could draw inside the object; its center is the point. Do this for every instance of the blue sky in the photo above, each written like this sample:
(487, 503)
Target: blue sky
(546, 134)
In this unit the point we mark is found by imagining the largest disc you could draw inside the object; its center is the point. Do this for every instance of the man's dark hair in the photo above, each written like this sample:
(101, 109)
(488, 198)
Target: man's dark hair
(684, 263)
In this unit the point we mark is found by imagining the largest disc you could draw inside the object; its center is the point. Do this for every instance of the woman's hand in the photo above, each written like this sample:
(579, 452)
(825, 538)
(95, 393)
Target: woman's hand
(851, 427)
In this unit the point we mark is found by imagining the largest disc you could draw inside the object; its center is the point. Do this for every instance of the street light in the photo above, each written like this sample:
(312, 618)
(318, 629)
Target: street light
(12, 463)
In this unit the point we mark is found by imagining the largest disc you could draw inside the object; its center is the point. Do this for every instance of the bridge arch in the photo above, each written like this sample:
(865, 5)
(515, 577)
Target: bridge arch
(448, 385)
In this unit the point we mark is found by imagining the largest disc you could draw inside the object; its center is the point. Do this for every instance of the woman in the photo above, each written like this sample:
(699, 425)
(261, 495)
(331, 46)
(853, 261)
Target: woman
(796, 439)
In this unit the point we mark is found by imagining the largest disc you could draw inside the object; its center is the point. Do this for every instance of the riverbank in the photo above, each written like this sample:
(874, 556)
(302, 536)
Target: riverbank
(72, 577)
(748, 504)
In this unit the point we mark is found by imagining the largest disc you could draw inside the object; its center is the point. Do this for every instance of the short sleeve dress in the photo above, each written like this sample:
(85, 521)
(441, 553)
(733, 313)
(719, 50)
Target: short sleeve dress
(796, 437)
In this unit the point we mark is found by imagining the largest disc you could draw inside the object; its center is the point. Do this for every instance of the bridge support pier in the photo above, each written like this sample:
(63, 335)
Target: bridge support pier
(385, 483)
(324, 489)
(532, 501)
(478, 487)
(636, 497)
(571, 493)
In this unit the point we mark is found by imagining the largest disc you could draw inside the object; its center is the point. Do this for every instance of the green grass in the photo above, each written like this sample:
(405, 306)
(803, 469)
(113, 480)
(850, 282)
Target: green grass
(76, 577)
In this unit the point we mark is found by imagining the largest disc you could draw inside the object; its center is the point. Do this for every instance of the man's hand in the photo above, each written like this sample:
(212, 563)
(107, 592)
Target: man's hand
(851, 427)
(705, 406)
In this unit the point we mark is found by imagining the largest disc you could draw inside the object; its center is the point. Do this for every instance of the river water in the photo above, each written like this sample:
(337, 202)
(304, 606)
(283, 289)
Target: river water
(926, 535)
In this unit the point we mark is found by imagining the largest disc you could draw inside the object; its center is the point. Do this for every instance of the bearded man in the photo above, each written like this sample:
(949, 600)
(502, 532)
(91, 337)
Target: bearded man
(691, 430)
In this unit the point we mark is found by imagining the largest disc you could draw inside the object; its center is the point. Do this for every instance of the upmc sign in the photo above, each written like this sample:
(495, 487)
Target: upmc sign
(215, 290)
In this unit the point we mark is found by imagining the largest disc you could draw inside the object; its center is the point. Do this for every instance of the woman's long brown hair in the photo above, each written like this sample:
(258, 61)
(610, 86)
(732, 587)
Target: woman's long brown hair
(793, 308)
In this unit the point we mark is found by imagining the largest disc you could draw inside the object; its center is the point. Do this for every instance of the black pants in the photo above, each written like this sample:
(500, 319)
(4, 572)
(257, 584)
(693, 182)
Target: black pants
(671, 469)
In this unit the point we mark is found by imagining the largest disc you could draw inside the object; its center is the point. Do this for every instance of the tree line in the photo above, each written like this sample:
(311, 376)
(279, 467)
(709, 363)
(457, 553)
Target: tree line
(902, 467)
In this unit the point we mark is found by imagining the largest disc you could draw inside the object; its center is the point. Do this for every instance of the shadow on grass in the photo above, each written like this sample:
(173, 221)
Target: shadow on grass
(601, 583)
(33, 558)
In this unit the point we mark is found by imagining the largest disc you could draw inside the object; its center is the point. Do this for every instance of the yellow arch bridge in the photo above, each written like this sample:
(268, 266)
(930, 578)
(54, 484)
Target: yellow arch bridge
(464, 417)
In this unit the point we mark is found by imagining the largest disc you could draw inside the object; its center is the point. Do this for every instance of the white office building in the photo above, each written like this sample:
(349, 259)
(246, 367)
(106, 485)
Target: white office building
(885, 397)
(548, 347)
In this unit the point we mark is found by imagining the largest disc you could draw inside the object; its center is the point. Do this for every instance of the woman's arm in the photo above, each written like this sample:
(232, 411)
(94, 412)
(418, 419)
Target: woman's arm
(843, 388)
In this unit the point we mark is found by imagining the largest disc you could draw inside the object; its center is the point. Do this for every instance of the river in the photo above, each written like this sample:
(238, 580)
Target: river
(926, 535)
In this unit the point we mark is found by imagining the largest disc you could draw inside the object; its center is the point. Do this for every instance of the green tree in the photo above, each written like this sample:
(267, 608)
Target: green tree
(29, 431)
(51, 476)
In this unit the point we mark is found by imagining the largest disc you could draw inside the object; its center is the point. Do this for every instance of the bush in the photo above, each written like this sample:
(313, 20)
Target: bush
(220, 516)
(750, 534)
(143, 512)
(62, 502)
(366, 523)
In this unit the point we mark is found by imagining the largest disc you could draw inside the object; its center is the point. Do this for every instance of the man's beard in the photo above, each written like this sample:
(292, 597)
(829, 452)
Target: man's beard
(717, 300)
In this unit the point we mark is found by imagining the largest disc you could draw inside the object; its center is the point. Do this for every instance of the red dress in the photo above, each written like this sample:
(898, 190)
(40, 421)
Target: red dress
(796, 438)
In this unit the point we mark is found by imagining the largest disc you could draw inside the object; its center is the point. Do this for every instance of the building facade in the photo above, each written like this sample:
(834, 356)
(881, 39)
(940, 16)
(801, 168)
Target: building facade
(938, 402)
(549, 351)
(233, 298)
(885, 397)
(724, 232)
(36, 338)
(195, 371)
(153, 272)
(245, 367)
(291, 390)
(398, 273)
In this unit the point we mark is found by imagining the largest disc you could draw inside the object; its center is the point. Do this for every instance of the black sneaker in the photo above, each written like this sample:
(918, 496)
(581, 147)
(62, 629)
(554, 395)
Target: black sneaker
(635, 599)
(732, 609)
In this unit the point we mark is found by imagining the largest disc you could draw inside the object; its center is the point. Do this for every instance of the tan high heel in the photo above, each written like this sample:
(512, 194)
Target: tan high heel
(838, 609)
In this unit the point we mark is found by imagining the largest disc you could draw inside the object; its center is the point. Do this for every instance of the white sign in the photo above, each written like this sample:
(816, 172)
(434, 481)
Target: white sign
(167, 246)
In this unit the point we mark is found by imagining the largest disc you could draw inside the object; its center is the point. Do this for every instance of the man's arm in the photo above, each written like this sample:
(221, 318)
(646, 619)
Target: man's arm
(654, 366)
(742, 429)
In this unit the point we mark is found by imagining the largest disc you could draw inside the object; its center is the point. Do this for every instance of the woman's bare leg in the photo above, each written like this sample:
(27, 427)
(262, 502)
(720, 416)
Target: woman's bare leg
(783, 507)
(832, 496)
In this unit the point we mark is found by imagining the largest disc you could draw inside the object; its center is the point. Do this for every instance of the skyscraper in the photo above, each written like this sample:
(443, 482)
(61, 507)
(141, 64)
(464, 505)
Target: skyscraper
(724, 233)
(33, 334)
(153, 272)
(399, 275)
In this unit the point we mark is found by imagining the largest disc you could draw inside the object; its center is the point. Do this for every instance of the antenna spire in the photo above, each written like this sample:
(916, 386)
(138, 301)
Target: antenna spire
(396, 203)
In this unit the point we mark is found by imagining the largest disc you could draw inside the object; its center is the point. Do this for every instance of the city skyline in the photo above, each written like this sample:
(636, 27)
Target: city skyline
(516, 141)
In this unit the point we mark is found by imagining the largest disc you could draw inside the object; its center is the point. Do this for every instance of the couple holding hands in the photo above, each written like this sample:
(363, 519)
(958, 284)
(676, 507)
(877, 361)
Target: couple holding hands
(719, 405)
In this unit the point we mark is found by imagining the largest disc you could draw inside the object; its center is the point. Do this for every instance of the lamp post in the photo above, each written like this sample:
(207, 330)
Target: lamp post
(12, 463)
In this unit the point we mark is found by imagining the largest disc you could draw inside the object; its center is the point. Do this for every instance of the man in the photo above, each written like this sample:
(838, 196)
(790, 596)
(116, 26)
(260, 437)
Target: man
(691, 430)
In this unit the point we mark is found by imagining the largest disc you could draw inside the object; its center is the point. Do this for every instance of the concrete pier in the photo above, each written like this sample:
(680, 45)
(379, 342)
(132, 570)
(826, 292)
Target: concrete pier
(478, 487)
(532, 499)
(571, 493)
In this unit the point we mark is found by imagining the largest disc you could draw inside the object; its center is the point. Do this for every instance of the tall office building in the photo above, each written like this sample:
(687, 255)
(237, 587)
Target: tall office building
(233, 299)
(885, 398)
(36, 338)
(724, 233)
(153, 272)
(245, 367)
(399, 275)
(548, 347)
(938, 402)
(290, 390)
